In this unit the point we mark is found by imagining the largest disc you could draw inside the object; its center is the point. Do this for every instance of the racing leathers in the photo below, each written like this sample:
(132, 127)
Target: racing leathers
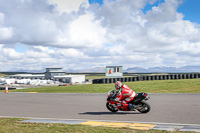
(125, 95)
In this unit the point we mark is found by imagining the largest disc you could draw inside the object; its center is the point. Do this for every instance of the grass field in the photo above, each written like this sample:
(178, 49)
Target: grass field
(156, 86)
(13, 125)
(3, 75)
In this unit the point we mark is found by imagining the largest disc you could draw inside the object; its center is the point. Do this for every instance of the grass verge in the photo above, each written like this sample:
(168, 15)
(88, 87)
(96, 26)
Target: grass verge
(13, 125)
(156, 86)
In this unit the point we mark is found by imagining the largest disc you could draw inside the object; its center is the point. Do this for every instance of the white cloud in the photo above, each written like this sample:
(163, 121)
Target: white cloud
(5, 32)
(69, 5)
(9, 54)
(75, 35)
(1, 18)
(86, 31)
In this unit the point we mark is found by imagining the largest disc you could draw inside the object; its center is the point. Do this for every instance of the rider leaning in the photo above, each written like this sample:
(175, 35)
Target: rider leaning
(125, 95)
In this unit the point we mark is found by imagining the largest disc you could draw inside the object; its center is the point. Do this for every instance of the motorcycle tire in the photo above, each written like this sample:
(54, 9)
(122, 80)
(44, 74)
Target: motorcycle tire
(110, 107)
(145, 107)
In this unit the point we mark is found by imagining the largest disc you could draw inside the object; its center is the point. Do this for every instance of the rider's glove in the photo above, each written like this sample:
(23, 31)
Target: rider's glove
(117, 100)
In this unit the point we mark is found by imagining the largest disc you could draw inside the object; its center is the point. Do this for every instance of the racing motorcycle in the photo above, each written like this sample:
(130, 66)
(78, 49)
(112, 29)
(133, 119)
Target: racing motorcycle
(139, 102)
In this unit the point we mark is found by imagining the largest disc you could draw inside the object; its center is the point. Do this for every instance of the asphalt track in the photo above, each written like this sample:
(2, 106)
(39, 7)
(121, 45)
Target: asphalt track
(165, 108)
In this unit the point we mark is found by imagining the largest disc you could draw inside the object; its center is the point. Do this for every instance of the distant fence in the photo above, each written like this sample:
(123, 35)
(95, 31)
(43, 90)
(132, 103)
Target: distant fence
(146, 78)
(9, 88)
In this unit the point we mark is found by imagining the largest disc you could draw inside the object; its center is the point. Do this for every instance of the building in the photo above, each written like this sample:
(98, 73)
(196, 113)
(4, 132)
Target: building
(114, 72)
(51, 72)
(70, 79)
(55, 74)
(28, 76)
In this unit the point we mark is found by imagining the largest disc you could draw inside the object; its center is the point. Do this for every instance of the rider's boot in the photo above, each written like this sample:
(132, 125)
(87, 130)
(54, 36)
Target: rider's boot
(130, 106)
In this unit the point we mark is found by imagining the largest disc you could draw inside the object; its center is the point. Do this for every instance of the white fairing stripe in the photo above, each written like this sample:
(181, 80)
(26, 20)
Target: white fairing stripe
(133, 95)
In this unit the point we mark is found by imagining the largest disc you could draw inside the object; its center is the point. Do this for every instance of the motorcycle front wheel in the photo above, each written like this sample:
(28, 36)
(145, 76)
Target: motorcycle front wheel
(110, 107)
(144, 107)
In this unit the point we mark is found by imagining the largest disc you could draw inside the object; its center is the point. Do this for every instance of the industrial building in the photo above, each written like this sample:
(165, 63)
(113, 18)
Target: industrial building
(52, 72)
(55, 74)
(70, 78)
(114, 72)
(27, 76)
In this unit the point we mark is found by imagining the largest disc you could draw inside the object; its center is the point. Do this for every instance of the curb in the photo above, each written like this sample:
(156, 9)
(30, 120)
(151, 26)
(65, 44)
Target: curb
(118, 124)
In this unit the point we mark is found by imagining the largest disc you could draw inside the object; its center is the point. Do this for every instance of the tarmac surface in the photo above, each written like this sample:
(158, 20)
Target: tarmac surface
(182, 111)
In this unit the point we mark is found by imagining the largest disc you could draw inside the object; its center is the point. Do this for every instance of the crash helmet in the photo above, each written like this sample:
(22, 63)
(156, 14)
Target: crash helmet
(118, 85)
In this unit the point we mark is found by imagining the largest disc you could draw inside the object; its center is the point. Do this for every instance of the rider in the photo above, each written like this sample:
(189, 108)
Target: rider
(125, 95)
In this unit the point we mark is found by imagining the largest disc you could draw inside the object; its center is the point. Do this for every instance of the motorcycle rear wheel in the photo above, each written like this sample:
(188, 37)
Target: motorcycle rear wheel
(110, 107)
(145, 107)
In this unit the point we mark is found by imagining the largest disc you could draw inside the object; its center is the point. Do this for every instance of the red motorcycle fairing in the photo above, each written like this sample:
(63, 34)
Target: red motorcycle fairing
(116, 104)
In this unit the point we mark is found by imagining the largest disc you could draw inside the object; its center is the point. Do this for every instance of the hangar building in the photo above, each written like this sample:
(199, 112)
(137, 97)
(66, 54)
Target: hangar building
(55, 74)
(51, 72)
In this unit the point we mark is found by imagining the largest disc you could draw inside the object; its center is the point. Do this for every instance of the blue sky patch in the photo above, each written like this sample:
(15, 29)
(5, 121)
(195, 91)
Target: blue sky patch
(149, 6)
(96, 1)
(191, 10)
(21, 48)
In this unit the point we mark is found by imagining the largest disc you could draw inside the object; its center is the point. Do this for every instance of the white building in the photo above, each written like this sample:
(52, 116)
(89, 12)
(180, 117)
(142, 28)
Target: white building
(55, 74)
(27, 76)
(52, 72)
(70, 78)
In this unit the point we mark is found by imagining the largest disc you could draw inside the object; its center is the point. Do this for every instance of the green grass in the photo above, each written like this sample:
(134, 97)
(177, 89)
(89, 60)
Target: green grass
(3, 75)
(13, 125)
(94, 76)
(156, 86)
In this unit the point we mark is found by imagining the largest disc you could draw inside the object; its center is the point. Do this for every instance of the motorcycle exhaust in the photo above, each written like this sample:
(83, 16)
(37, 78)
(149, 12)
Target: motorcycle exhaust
(146, 98)
(137, 107)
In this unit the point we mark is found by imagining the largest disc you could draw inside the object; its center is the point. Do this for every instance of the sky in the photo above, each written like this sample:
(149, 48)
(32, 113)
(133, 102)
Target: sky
(84, 34)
